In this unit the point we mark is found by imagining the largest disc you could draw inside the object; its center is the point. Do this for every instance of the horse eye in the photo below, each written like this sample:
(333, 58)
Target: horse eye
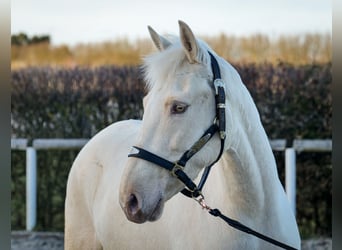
(178, 108)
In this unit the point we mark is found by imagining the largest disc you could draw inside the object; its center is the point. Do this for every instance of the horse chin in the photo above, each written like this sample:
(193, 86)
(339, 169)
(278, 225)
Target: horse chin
(157, 211)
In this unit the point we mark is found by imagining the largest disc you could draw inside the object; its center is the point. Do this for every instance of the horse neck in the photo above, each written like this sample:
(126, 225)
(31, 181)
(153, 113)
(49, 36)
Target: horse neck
(248, 164)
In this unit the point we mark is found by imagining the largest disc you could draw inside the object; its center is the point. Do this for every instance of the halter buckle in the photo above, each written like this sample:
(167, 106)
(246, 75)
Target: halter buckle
(222, 135)
(175, 168)
(218, 83)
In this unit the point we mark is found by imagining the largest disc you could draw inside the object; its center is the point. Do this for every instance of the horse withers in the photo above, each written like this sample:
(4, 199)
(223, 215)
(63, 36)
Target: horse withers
(119, 202)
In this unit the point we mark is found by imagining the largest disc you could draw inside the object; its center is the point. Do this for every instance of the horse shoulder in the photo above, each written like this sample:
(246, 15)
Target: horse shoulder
(100, 155)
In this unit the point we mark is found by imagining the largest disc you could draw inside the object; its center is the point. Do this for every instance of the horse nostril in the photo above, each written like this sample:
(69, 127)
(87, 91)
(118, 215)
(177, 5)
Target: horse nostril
(133, 204)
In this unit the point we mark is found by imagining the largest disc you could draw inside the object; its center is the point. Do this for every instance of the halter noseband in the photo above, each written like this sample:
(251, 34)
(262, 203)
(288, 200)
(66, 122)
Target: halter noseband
(219, 125)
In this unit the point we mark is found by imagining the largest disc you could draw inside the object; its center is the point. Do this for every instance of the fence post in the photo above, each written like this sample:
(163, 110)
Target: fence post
(31, 188)
(290, 177)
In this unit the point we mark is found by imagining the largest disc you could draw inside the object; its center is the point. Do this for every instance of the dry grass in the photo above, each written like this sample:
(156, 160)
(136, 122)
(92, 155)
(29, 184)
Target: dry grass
(258, 48)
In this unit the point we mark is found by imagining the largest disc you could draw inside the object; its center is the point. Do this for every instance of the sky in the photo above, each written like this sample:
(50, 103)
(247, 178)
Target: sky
(83, 21)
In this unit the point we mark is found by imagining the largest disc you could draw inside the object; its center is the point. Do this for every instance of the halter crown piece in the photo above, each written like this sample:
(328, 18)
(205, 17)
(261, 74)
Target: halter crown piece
(219, 125)
(176, 168)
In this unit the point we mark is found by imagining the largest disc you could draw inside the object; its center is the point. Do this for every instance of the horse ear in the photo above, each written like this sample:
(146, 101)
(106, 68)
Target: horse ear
(160, 42)
(189, 42)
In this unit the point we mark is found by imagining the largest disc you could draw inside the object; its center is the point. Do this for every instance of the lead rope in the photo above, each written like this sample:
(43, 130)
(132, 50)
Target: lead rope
(237, 225)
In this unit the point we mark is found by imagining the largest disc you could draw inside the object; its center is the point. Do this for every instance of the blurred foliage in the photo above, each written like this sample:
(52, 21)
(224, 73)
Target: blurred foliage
(22, 39)
(50, 102)
(297, 50)
(294, 102)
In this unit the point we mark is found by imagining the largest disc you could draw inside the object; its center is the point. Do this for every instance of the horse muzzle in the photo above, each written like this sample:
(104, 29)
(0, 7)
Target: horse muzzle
(139, 210)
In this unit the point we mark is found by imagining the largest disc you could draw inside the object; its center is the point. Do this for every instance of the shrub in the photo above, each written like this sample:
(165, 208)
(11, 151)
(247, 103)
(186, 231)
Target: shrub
(294, 102)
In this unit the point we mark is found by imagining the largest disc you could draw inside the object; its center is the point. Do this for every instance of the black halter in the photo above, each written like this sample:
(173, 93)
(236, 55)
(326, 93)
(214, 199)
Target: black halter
(219, 125)
(176, 168)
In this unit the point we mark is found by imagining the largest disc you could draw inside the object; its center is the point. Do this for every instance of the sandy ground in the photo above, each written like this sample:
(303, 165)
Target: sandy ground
(22, 240)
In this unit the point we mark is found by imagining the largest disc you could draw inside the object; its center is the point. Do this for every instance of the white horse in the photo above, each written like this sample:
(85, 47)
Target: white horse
(107, 191)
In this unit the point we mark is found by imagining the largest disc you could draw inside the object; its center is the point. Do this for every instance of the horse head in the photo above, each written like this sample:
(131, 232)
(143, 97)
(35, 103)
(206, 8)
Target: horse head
(178, 109)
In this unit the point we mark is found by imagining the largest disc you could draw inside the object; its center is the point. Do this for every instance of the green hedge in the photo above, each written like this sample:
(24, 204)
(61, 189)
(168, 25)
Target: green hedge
(294, 102)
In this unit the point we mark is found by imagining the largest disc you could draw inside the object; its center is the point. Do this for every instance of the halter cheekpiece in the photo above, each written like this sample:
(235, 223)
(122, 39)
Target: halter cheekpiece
(219, 125)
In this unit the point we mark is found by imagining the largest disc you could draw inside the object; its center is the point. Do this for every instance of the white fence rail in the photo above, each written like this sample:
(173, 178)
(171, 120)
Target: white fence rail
(32, 146)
